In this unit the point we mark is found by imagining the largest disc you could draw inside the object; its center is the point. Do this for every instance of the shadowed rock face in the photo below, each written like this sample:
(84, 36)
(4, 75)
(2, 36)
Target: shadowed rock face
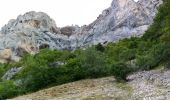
(33, 30)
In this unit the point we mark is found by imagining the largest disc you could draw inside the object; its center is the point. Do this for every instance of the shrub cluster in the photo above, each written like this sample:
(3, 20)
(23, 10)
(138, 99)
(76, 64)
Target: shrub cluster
(54, 67)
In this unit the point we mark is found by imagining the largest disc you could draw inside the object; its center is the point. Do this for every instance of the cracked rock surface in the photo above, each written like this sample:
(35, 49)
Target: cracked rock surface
(36, 30)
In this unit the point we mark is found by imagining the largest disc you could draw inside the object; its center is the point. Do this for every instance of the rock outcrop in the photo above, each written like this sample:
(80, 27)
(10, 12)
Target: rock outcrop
(28, 33)
(6, 55)
(125, 18)
(35, 30)
(11, 73)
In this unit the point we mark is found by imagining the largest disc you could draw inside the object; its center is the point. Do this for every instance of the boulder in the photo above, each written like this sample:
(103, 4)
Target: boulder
(5, 55)
(11, 73)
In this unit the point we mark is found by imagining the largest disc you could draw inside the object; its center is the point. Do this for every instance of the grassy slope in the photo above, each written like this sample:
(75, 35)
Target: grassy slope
(118, 59)
(108, 89)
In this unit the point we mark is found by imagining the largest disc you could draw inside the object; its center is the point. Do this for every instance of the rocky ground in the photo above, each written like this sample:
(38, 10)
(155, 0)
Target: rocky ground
(147, 85)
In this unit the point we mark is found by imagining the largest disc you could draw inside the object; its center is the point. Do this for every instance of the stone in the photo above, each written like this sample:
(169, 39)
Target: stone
(68, 30)
(36, 30)
(57, 64)
(5, 54)
(10, 73)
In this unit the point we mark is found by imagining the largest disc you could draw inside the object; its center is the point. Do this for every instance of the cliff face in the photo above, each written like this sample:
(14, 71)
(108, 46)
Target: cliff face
(125, 18)
(35, 30)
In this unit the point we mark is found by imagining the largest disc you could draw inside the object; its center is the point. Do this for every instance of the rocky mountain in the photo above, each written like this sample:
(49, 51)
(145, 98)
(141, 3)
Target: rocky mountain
(35, 30)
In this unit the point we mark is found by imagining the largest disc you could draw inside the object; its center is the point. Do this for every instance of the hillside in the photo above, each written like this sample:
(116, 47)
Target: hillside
(141, 62)
(150, 85)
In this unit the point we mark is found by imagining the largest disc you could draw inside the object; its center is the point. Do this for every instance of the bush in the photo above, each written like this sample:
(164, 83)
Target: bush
(1, 71)
(93, 63)
(120, 71)
(167, 65)
(8, 89)
(127, 54)
(75, 70)
(42, 69)
(100, 47)
(146, 62)
(161, 23)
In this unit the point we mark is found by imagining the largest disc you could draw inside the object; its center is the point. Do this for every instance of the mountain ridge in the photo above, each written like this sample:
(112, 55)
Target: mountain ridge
(36, 30)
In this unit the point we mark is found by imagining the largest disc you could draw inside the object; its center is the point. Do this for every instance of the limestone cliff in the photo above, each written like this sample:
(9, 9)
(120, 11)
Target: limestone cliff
(35, 30)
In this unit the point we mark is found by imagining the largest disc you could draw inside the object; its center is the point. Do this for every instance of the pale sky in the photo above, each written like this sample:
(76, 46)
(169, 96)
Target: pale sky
(64, 12)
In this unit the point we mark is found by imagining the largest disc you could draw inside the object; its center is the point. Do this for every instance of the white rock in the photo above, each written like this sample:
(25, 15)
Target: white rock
(10, 73)
(124, 19)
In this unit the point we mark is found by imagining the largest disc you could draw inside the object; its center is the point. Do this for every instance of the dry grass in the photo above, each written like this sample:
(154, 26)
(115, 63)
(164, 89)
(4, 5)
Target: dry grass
(90, 89)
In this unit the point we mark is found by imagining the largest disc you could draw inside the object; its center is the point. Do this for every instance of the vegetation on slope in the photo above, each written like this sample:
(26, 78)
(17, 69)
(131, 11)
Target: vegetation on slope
(54, 67)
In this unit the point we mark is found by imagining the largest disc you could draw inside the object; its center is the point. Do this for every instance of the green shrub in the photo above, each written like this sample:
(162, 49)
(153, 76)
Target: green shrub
(146, 62)
(40, 70)
(159, 53)
(100, 47)
(127, 54)
(120, 71)
(1, 71)
(93, 63)
(7, 90)
(161, 23)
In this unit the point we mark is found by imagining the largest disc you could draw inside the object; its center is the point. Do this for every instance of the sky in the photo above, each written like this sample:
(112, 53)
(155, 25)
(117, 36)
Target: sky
(64, 12)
